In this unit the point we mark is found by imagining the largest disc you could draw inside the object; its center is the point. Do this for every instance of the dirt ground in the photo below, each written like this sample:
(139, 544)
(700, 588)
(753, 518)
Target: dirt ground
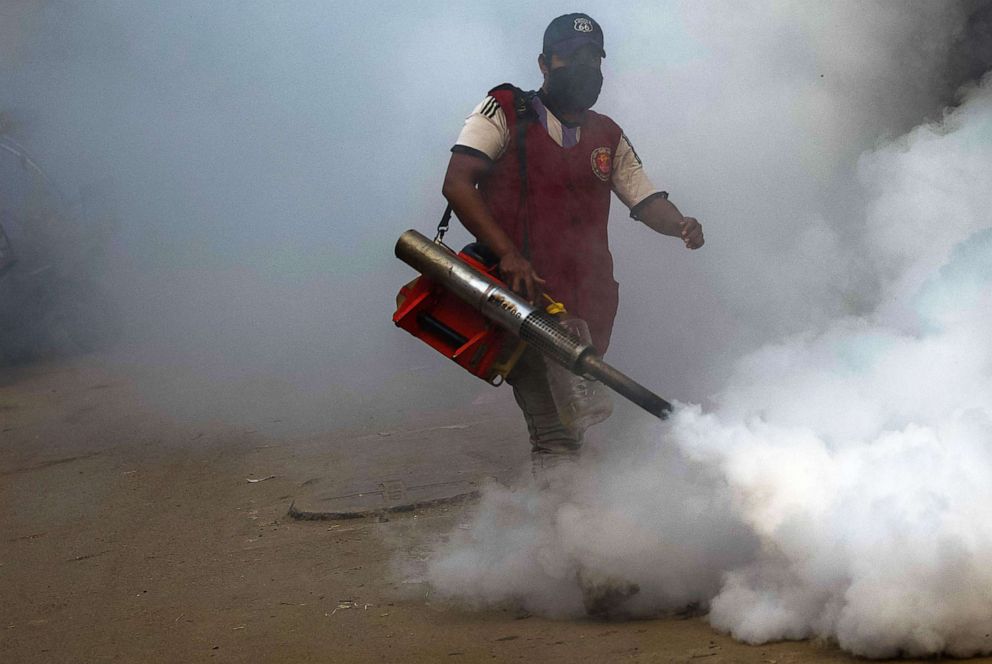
(128, 537)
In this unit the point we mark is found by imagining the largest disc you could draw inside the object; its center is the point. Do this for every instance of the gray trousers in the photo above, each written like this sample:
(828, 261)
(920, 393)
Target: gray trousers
(530, 388)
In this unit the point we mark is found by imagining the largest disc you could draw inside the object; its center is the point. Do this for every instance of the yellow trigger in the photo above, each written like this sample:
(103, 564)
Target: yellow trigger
(554, 308)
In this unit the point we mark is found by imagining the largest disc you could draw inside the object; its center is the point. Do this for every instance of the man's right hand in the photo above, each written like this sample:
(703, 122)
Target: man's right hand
(519, 274)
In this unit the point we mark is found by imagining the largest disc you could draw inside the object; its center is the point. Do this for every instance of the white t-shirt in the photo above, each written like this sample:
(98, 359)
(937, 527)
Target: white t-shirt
(485, 131)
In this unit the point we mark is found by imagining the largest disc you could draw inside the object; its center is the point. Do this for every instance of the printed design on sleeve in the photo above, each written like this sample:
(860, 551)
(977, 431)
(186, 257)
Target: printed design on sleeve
(602, 163)
(630, 145)
(489, 107)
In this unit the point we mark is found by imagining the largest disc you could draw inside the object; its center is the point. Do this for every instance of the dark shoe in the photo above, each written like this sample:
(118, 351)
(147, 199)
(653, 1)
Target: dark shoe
(604, 597)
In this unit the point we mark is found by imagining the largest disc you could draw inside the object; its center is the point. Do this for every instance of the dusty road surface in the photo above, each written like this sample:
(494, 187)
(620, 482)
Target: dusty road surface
(126, 536)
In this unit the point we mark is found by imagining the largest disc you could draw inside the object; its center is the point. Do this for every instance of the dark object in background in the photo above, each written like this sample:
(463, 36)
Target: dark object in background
(7, 258)
(53, 254)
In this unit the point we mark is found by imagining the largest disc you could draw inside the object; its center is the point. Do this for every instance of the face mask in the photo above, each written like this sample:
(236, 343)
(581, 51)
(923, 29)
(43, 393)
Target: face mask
(574, 87)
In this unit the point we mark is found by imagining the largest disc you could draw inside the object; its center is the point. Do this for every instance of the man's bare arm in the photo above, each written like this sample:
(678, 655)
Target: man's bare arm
(661, 215)
(464, 173)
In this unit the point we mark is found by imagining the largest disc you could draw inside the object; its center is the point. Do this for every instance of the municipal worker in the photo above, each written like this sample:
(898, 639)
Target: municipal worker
(530, 177)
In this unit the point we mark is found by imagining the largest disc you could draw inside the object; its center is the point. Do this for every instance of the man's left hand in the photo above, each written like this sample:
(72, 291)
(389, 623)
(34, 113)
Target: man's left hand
(692, 233)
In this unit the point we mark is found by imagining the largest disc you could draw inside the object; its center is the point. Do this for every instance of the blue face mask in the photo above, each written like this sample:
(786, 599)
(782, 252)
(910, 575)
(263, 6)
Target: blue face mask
(574, 87)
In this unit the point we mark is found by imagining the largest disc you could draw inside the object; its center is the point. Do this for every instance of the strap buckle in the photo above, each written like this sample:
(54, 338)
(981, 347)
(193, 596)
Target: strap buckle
(443, 225)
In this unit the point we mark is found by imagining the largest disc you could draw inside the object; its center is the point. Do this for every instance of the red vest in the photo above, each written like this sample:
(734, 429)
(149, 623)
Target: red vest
(567, 208)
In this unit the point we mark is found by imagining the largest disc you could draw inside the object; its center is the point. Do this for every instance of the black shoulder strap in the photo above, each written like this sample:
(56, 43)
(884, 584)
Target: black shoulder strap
(524, 114)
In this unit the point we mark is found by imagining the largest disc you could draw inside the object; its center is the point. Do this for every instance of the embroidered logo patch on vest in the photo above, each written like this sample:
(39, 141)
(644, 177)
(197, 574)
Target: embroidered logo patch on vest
(602, 163)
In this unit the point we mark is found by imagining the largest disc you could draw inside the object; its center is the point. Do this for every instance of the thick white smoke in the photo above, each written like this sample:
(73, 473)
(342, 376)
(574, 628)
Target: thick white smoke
(754, 126)
(840, 486)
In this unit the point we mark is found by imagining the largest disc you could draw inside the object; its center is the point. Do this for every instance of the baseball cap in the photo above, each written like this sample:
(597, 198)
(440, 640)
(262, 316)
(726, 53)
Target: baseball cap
(569, 32)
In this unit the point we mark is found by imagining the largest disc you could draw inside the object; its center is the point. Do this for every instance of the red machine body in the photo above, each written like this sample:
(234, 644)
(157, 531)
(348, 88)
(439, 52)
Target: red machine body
(434, 315)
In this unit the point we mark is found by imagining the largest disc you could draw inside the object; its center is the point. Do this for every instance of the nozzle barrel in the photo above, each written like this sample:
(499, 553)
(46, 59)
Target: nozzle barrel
(593, 365)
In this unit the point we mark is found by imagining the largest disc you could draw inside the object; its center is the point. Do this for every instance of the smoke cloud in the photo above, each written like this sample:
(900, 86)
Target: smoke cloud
(838, 484)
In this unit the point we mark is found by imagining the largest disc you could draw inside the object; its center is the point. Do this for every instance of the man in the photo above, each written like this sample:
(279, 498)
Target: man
(530, 176)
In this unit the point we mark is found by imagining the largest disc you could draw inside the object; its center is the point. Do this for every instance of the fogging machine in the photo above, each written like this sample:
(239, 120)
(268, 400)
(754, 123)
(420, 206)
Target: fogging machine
(461, 308)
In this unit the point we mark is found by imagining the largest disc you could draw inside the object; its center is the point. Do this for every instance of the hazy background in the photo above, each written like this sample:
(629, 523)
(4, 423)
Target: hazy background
(265, 156)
